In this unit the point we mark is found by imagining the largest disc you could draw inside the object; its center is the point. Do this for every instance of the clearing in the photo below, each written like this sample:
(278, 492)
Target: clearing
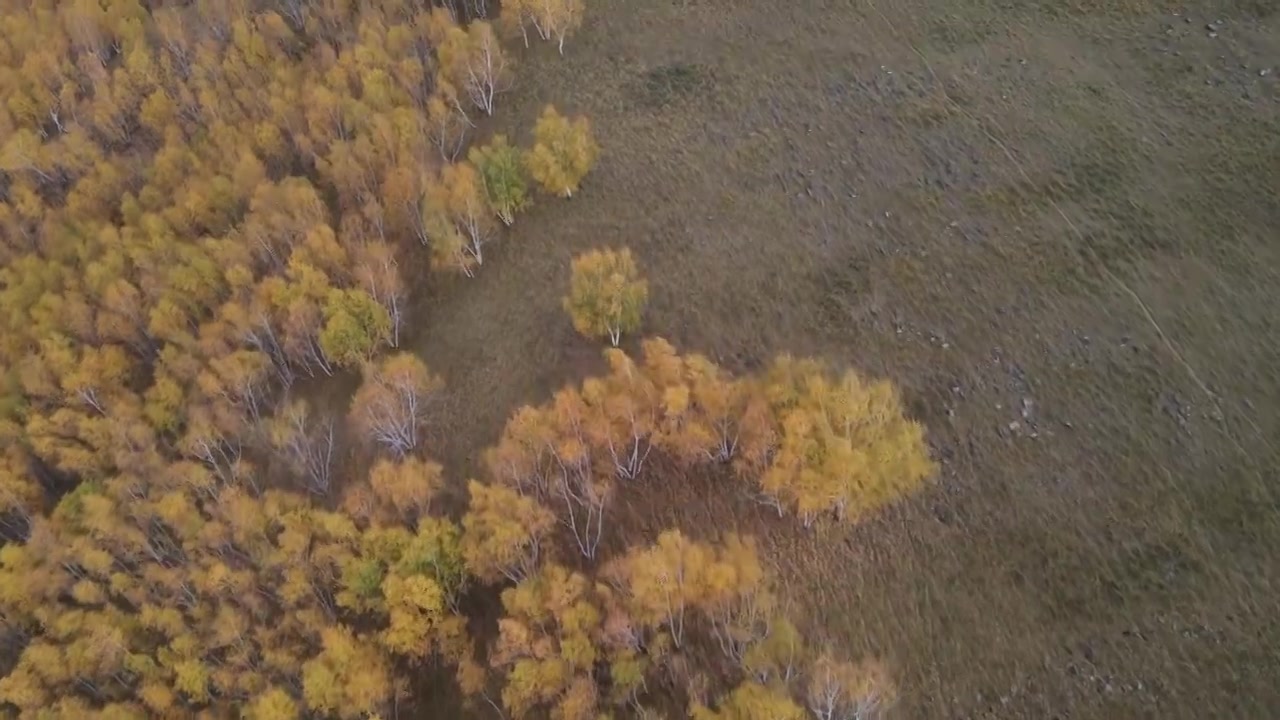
(1054, 224)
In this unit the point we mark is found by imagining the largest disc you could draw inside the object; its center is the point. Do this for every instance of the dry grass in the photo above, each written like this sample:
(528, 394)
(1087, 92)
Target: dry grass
(1054, 224)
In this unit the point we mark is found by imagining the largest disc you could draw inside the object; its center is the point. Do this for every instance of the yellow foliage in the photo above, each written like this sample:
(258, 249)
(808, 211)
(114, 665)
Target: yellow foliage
(606, 294)
(503, 532)
(752, 701)
(844, 444)
(563, 152)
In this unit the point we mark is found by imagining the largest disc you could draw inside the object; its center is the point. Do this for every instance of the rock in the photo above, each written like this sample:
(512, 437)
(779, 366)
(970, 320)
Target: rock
(1264, 72)
(1015, 426)
(1027, 406)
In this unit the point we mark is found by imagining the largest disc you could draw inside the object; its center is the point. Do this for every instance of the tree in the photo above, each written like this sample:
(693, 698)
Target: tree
(606, 294)
(563, 152)
(503, 176)
(450, 249)
(377, 272)
(845, 691)
(356, 325)
(349, 678)
(392, 401)
(474, 61)
(707, 414)
(406, 486)
(307, 443)
(663, 582)
(21, 496)
(752, 701)
(844, 445)
(546, 452)
(458, 199)
(548, 644)
(552, 19)
(776, 656)
(446, 121)
(272, 704)
(503, 533)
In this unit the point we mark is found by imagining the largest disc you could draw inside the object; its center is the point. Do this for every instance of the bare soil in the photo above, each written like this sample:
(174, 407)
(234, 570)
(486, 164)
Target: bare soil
(1056, 224)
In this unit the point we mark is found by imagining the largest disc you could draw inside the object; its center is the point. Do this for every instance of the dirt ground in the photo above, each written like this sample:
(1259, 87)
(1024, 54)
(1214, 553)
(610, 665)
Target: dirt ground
(1054, 223)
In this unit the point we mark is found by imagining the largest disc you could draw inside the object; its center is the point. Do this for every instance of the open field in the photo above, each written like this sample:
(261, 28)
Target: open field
(1054, 224)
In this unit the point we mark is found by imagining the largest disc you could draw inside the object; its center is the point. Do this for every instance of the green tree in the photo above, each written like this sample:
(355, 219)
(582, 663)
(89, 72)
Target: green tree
(355, 326)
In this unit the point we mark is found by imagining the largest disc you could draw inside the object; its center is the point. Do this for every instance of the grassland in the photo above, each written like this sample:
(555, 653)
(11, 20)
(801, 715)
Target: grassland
(1055, 224)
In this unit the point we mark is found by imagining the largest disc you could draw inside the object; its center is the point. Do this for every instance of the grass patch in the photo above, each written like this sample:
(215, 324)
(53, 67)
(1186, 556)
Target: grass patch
(666, 85)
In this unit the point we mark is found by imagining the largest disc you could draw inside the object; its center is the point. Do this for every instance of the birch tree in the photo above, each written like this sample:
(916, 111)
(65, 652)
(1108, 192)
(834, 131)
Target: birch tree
(563, 152)
(306, 442)
(377, 272)
(392, 401)
(503, 532)
(546, 452)
(474, 61)
(551, 19)
(458, 218)
(839, 690)
(606, 294)
(503, 176)
(844, 445)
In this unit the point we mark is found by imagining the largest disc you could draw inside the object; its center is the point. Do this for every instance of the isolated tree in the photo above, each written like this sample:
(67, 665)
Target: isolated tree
(563, 152)
(355, 326)
(844, 445)
(503, 533)
(846, 691)
(503, 176)
(606, 294)
(392, 401)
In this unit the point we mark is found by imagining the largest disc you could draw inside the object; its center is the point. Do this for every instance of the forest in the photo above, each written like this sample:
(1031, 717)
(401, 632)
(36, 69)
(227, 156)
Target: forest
(211, 213)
